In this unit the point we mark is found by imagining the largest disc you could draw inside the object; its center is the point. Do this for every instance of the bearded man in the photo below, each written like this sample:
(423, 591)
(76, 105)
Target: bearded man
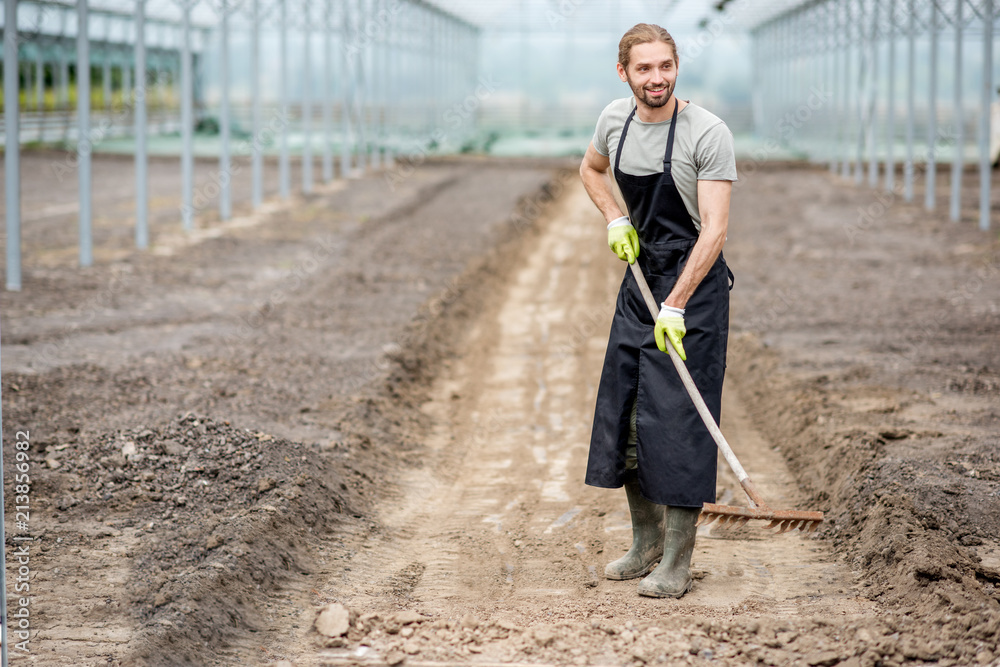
(674, 164)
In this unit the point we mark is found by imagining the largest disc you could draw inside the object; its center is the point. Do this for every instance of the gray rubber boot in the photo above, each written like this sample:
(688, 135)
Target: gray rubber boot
(672, 578)
(647, 537)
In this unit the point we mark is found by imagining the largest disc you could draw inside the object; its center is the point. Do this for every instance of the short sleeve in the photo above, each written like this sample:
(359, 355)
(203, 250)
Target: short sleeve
(716, 154)
(600, 139)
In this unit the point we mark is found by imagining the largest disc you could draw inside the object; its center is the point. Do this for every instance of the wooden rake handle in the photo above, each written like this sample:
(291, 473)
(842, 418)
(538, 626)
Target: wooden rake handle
(699, 402)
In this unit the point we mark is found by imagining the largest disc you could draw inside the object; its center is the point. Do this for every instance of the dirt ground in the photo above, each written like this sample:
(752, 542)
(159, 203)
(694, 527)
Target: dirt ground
(381, 398)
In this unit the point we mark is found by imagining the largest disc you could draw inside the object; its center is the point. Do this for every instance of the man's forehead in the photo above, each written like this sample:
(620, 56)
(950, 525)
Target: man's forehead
(652, 52)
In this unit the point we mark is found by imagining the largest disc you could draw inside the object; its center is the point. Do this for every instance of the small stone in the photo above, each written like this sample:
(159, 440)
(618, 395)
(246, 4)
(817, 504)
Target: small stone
(52, 463)
(407, 617)
(823, 659)
(544, 637)
(129, 449)
(640, 654)
(411, 648)
(334, 620)
(174, 448)
(265, 484)
(161, 599)
(469, 622)
(395, 657)
(282, 663)
(212, 542)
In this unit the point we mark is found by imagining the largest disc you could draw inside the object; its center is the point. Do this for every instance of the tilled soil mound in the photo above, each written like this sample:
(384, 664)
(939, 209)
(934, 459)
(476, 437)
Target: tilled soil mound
(900, 521)
(870, 347)
(262, 498)
(245, 400)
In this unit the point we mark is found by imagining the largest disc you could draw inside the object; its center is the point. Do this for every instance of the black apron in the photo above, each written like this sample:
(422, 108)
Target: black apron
(676, 453)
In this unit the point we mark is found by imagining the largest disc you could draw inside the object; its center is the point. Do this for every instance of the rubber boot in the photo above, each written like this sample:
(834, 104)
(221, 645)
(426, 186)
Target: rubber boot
(647, 536)
(672, 578)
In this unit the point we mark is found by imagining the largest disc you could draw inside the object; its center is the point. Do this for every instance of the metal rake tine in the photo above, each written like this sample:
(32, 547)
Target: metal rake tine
(785, 527)
(774, 524)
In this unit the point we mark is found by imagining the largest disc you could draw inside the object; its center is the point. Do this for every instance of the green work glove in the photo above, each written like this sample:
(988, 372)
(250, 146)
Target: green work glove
(623, 239)
(670, 325)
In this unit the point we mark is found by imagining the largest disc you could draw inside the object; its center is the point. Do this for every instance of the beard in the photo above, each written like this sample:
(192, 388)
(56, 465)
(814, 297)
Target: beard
(654, 102)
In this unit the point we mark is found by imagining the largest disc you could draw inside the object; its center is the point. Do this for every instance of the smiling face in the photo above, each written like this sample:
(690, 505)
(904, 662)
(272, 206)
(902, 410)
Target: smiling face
(651, 73)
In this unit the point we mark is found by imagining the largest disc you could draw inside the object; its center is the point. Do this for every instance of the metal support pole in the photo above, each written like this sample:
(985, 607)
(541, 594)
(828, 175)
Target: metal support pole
(985, 120)
(39, 81)
(890, 130)
(327, 92)
(284, 176)
(63, 80)
(187, 124)
(911, 99)
(106, 83)
(126, 83)
(930, 197)
(141, 185)
(360, 89)
(83, 146)
(256, 157)
(832, 80)
(873, 101)
(225, 169)
(346, 90)
(307, 176)
(859, 161)
(371, 60)
(391, 74)
(845, 166)
(957, 165)
(12, 208)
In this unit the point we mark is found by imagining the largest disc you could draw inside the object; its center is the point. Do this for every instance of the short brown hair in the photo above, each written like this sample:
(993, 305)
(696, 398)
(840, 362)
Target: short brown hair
(643, 33)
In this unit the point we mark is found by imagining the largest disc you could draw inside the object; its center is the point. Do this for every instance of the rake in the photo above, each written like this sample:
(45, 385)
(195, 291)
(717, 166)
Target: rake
(729, 515)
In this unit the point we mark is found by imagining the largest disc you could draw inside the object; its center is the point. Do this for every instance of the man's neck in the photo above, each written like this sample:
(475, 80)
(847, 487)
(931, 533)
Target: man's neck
(648, 114)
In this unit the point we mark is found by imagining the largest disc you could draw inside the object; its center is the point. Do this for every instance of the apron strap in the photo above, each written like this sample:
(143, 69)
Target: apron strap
(668, 153)
(621, 139)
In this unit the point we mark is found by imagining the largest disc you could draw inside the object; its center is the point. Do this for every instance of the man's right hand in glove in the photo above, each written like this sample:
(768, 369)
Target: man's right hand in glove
(670, 329)
(623, 239)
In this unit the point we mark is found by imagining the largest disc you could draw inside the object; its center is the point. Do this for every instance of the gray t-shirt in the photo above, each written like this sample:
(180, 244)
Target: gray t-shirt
(703, 148)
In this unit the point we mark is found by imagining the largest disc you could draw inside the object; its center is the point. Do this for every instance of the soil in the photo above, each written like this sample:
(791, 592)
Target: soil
(237, 430)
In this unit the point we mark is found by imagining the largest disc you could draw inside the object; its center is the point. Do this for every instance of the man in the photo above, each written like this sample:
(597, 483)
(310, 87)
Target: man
(674, 164)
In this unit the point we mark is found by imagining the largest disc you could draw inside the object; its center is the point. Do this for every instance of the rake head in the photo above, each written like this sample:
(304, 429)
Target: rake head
(783, 520)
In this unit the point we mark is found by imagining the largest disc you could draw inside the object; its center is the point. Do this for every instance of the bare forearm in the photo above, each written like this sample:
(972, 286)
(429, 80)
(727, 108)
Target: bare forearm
(699, 263)
(598, 186)
(713, 202)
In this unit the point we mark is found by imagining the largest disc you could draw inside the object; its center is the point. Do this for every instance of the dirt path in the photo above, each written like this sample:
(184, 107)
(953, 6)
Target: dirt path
(499, 545)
